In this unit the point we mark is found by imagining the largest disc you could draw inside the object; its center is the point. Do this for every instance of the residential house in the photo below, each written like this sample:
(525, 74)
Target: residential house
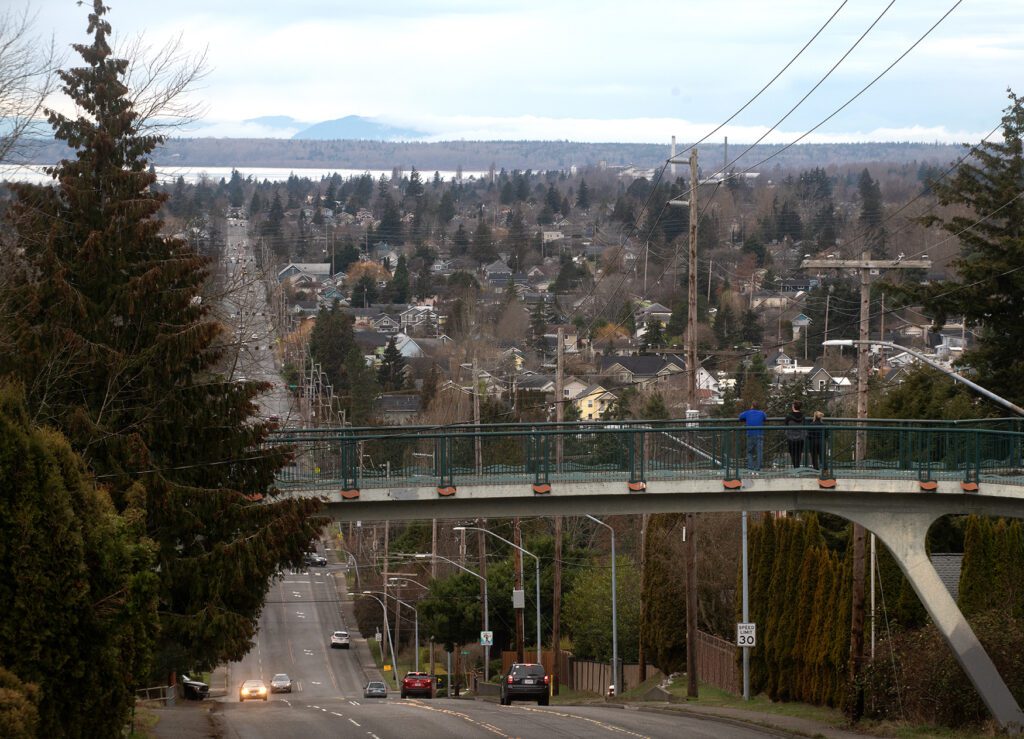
(640, 369)
(593, 401)
(397, 408)
(497, 272)
(317, 271)
(419, 319)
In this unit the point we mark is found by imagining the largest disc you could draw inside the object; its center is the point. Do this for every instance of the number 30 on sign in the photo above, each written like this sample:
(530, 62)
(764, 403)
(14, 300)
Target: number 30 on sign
(746, 635)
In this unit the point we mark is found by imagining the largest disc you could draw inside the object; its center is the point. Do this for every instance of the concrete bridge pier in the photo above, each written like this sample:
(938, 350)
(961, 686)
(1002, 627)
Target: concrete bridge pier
(904, 534)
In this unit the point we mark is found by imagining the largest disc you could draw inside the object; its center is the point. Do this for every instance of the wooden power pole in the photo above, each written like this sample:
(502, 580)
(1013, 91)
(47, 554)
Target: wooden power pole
(556, 596)
(866, 266)
(692, 403)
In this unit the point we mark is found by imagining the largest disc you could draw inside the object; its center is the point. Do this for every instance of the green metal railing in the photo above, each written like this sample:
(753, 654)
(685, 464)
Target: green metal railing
(641, 451)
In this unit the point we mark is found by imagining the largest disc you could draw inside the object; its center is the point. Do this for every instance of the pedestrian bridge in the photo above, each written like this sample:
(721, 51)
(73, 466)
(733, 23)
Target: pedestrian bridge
(905, 475)
(412, 472)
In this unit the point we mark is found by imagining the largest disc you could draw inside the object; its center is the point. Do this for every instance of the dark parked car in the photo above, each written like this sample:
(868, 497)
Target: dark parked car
(313, 559)
(525, 682)
(194, 690)
(375, 689)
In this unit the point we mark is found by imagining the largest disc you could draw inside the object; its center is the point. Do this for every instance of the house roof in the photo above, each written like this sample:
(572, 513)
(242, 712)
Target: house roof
(645, 365)
(398, 403)
(370, 339)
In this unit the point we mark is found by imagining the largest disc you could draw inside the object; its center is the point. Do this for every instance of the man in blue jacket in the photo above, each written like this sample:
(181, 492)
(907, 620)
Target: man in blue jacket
(755, 419)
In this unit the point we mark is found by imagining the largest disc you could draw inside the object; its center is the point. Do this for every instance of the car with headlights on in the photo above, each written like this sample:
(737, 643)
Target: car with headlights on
(252, 690)
(280, 683)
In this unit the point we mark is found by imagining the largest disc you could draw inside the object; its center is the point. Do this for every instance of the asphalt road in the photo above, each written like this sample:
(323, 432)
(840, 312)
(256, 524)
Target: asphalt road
(302, 610)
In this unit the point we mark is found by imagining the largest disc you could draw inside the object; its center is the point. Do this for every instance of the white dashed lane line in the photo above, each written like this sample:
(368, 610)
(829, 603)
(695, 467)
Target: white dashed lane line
(355, 722)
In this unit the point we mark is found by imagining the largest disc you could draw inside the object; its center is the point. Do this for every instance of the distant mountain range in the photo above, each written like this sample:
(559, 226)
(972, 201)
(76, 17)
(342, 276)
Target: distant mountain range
(351, 127)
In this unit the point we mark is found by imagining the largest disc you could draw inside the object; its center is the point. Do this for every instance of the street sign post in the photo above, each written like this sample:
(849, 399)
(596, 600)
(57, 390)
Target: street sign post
(486, 638)
(746, 635)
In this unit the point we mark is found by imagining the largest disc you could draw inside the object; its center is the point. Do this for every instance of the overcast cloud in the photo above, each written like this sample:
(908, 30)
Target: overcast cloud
(590, 71)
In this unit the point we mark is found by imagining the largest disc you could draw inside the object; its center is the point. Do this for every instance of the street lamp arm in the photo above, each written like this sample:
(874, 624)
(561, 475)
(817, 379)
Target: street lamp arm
(496, 536)
(935, 365)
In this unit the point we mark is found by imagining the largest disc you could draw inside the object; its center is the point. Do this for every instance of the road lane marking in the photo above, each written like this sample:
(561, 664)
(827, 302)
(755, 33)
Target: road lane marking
(354, 703)
(596, 722)
(447, 711)
(355, 722)
(335, 713)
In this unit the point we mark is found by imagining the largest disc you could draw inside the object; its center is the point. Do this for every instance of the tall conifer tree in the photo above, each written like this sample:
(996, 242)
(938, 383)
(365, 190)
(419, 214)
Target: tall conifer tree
(118, 351)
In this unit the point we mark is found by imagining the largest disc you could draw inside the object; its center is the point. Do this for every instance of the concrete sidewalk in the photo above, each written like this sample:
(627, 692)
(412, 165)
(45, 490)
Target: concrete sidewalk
(186, 720)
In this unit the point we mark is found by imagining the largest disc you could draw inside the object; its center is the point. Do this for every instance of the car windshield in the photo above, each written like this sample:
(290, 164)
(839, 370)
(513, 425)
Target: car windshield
(252, 683)
(528, 671)
(281, 678)
(375, 685)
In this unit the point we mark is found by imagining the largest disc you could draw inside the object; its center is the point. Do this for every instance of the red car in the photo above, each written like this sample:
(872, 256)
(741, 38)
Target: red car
(417, 683)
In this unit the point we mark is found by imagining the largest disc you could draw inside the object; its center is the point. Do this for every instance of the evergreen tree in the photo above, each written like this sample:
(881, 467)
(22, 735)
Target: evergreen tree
(390, 229)
(414, 188)
(398, 287)
(583, 196)
(989, 290)
(553, 200)
(483, 243)
(872, 215)
(663, 614)
(330, 341)
(118, 352)
(460, 241)
(364, 292)
(360, 387)
(653, 335)
(76, 581)
(391, 373)
(446, 208)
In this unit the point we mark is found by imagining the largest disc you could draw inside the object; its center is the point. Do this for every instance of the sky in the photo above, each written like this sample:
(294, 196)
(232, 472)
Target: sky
(638, 71)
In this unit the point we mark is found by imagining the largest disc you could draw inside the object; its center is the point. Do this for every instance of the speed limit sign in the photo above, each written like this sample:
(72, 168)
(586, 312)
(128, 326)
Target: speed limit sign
(746, 635)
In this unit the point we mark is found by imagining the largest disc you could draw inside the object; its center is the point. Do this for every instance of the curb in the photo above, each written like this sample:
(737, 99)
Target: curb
(718, 719)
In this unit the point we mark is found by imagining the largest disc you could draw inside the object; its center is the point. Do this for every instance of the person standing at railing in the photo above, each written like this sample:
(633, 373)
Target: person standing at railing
(795, 436)
(816, 439)
(755, 419)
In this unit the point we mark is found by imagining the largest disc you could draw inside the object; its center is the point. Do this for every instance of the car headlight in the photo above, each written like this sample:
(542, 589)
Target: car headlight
(262, 691)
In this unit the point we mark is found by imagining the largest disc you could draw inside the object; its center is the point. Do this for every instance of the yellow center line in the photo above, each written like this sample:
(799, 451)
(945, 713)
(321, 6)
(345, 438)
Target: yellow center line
(602, 724)
(489, 727)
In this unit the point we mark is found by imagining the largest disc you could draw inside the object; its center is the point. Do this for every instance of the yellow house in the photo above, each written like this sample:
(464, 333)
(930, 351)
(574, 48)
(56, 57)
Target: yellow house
(593, 401)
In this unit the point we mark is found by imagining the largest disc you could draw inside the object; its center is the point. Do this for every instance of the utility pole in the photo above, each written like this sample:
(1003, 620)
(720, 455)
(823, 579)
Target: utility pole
(477, 449)
(641, 656)
(517, 538)
(556, 598)
(865, 265)
(691, 398)
(691, 313)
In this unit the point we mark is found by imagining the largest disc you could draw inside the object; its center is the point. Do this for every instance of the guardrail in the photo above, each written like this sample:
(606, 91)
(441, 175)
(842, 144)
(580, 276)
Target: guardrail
(637, 452)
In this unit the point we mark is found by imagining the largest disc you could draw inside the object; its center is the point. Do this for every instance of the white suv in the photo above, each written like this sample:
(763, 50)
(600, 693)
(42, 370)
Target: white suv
(339, 640)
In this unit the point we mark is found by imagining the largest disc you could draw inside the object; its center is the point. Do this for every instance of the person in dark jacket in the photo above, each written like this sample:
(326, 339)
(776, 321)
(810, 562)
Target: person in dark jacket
(795, 436)
(816, 439)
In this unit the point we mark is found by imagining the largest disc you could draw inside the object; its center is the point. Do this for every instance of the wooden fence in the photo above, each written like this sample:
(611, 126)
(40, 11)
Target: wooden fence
(716, 663)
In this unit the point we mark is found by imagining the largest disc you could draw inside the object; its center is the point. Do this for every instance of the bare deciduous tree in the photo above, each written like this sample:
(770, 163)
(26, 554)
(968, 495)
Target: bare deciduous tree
(27, 76)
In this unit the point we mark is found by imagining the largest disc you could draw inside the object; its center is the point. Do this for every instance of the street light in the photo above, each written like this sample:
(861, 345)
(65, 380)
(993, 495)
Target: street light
(615, 619)
(406, 581)
(974, 386)
(536, 561)
(387, 630)
(416, 623)
(487, 621)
